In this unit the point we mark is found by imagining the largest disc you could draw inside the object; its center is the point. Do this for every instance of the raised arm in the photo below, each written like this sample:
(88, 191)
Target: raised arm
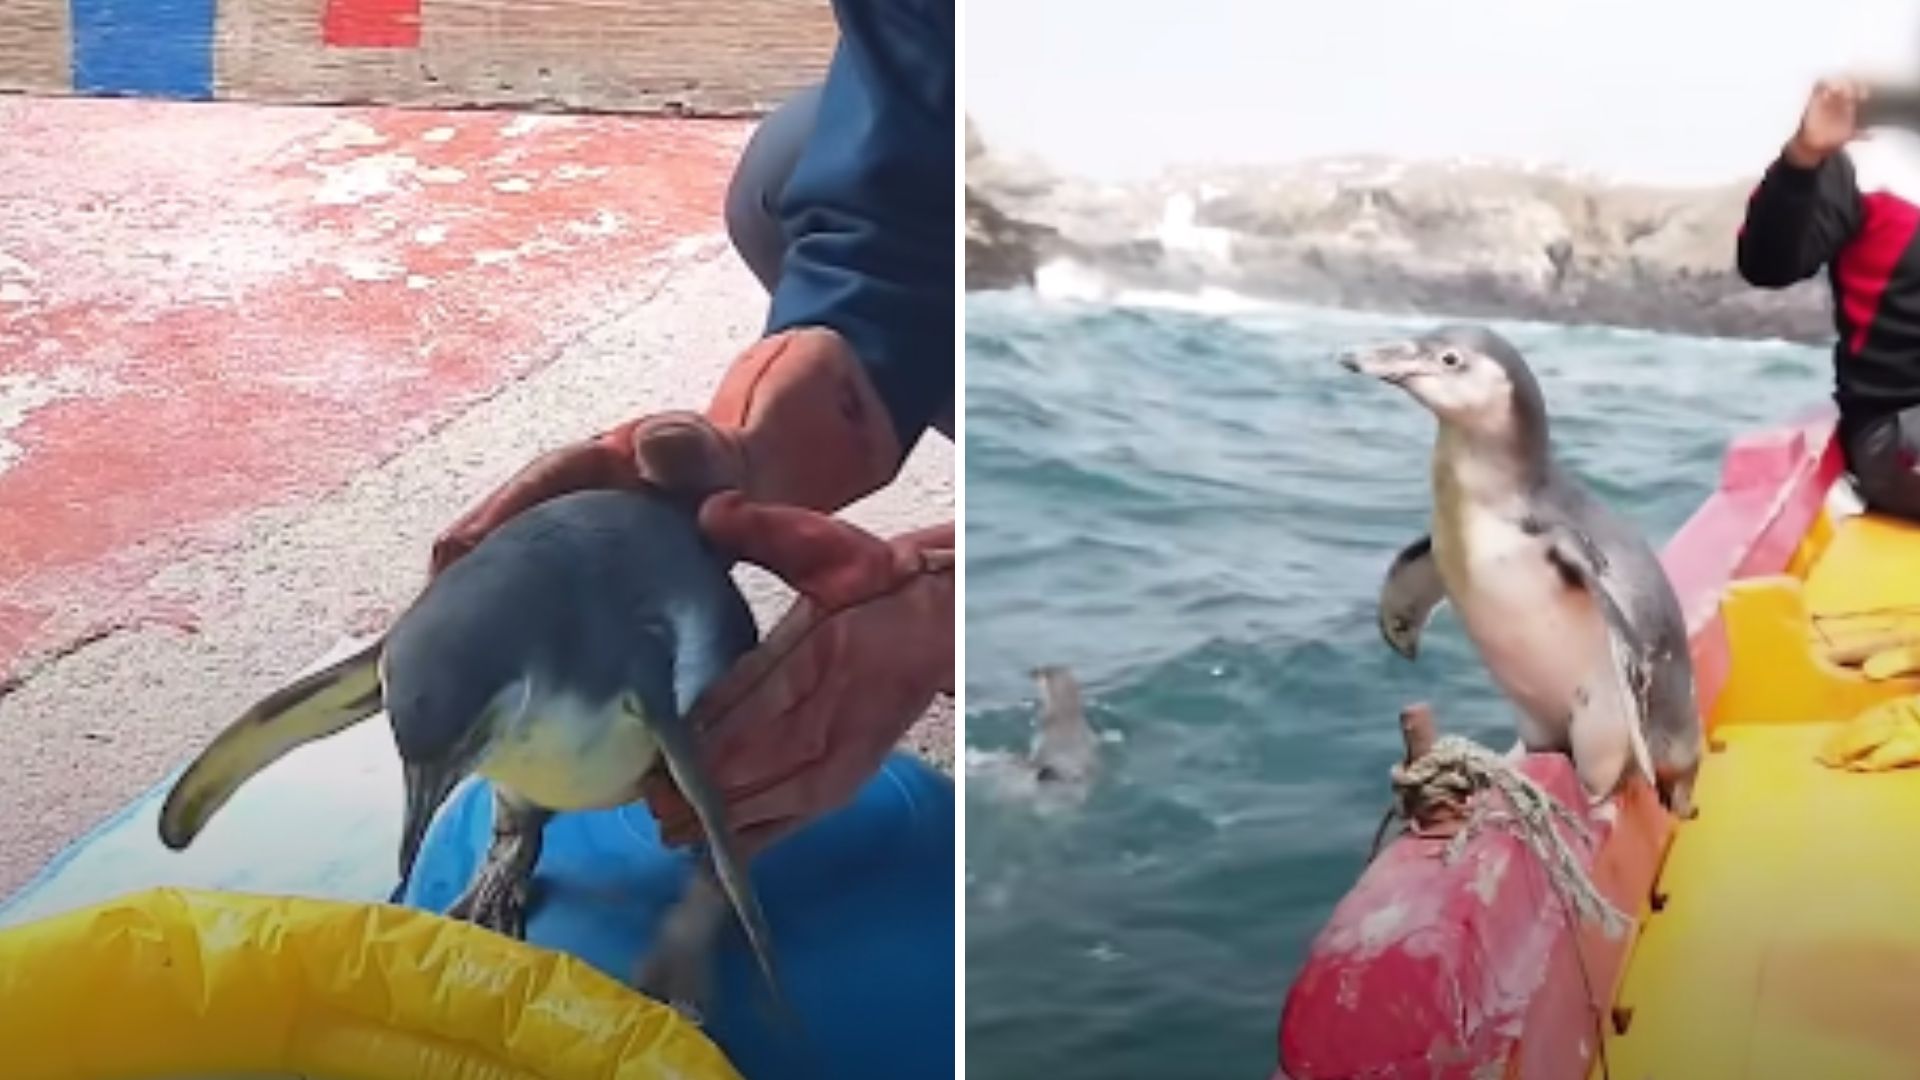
(1807, 206)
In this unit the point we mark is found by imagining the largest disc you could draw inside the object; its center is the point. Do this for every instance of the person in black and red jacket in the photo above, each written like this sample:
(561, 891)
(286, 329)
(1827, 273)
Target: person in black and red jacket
(1849, 200)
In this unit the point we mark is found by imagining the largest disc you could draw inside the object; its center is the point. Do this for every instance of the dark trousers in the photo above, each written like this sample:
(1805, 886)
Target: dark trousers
(753, 198)
(1883, 453)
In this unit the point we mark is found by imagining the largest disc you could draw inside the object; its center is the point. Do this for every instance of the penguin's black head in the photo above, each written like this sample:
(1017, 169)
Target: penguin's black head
(1468, 376)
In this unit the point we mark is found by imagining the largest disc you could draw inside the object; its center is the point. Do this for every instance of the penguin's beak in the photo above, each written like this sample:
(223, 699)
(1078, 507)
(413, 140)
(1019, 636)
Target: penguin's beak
(1393, 363)
(427, 787)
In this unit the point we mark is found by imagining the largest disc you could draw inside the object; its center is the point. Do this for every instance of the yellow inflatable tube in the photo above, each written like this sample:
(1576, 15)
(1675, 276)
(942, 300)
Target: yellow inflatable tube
(171, 984)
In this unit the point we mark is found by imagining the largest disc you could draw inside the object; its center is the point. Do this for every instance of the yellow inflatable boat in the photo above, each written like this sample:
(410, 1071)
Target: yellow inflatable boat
(181, 985)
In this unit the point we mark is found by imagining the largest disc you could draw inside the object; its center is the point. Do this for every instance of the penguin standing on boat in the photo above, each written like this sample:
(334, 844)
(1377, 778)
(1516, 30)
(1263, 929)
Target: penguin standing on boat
(1567, 604)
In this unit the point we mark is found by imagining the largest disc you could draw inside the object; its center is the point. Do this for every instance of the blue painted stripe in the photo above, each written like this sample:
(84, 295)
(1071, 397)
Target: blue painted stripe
(153, 48)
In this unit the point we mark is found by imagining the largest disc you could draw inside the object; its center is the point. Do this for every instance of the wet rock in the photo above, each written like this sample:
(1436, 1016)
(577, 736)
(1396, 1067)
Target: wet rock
(1462, 238)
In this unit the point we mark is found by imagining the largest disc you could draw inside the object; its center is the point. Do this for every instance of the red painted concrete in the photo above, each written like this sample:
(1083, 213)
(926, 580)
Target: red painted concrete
(372, 24)
(209, 310)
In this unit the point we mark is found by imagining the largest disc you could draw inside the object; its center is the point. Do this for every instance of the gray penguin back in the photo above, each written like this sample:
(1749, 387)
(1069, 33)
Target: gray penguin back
(1637, 580)
(597, 592)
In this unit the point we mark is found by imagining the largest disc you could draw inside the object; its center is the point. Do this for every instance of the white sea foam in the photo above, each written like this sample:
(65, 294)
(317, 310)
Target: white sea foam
(1069, 280)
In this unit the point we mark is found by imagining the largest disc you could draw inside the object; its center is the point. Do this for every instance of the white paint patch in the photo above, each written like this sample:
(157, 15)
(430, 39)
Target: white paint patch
(418, 281)
(570, 172)
(16, 280)
(430, 236)
(350, 134)
(334, 292)
(1487, 876)
(356, 181)
(12, 269)
(513, 185)
(602, 223)
(500, 256)
(441, 175)
(439, 135)
(372, 269)
(525, 124)
(1382, 926)
(28, 392)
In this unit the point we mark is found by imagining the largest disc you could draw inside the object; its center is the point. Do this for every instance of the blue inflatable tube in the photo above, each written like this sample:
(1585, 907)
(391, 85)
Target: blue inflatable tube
(861, 906)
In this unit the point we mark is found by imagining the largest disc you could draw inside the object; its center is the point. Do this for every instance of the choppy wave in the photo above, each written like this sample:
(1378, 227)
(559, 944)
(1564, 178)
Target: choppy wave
(1065, 278)
(1192, 507)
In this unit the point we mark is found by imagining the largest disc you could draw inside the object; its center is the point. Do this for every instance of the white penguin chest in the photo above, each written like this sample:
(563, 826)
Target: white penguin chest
(564, 754)
(1539, 638)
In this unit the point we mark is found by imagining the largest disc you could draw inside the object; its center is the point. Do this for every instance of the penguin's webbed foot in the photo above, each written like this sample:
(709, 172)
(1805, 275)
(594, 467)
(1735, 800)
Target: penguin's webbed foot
(497, 896)
(497, 900)
(679, 968)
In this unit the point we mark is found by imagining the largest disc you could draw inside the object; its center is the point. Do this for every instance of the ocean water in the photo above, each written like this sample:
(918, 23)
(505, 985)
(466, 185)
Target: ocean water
(1194, 510)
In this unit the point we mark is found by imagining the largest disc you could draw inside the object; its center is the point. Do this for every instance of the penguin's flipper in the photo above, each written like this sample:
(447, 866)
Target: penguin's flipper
(313, 707)
(674, 735)
(1615, 694)
(1408, 597)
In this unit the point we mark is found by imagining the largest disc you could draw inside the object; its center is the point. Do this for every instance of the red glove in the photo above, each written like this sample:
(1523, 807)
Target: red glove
(795, 421)
(806, 718)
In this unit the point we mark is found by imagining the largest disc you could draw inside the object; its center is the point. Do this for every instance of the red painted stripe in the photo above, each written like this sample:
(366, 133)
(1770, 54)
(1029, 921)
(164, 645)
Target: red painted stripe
(1867, 264)
(372, 24)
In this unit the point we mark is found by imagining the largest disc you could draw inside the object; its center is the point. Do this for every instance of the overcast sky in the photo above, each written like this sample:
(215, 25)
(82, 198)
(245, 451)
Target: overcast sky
(1666, 90)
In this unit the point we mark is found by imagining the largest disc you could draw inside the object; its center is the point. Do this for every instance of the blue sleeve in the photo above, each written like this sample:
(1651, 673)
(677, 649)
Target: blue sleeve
(869, 209)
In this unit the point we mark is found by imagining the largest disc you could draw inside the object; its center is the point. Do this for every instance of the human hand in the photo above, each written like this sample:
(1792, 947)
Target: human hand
(680, 453)
(796, 420)
(1830, 120)
(799, 723)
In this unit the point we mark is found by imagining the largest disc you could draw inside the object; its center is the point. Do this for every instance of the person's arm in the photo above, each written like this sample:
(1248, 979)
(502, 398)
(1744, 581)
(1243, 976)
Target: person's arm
(1807, 206)
(869, 209)
(1797, 221)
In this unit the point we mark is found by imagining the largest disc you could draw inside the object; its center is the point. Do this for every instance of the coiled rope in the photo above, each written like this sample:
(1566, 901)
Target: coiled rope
(1440, 786)
(1434, 791)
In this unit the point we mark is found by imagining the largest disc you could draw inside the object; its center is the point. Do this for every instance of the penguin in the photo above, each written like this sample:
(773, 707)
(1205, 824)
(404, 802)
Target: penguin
(558, 660)
(1566, 603)
(1065, 749)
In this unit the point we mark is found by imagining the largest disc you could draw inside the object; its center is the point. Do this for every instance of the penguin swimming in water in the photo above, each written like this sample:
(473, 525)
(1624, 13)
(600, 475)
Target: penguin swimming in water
(558, 660)
(1568, 606)
(1065, 749)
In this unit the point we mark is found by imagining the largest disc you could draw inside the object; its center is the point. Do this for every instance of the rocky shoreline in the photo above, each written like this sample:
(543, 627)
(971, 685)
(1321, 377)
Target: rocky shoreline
(1473, 239)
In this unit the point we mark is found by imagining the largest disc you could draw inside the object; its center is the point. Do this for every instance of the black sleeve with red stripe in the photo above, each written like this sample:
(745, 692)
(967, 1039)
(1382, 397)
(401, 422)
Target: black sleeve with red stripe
(1798, 220)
